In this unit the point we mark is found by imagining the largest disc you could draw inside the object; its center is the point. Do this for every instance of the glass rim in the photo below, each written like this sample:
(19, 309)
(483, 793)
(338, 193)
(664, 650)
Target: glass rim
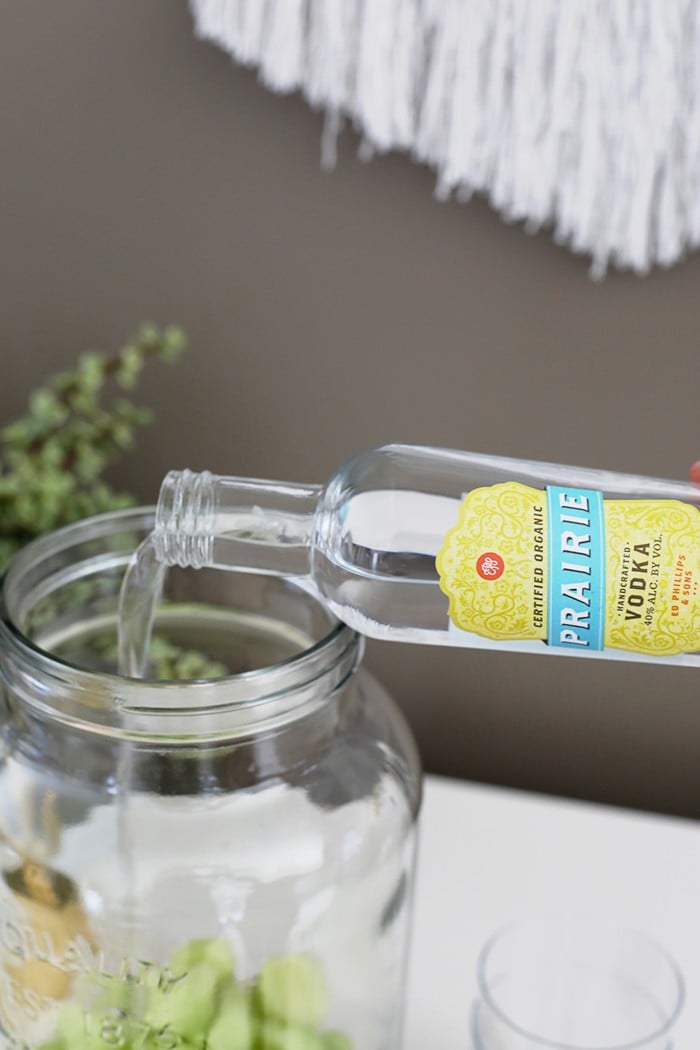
(261, 692)
(484, 989)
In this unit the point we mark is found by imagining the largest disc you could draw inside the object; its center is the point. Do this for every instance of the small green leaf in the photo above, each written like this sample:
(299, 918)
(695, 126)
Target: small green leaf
(174, 343)
(91, 372)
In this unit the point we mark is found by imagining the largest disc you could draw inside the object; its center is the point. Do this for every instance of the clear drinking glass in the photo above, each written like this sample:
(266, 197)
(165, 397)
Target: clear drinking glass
(221, 864)
(575, 984)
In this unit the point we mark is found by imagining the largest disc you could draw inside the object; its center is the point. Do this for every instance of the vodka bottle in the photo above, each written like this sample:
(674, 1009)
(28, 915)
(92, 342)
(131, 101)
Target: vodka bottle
(430, 545)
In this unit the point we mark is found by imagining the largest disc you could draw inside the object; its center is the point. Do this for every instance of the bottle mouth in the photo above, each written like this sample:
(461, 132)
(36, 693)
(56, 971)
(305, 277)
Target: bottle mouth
(184, 520)
(289, 654)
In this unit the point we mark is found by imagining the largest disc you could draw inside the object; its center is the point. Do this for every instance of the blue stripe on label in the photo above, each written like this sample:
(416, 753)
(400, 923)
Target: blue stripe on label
(576, 557)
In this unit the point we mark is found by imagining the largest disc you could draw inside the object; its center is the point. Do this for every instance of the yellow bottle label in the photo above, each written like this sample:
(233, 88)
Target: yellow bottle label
(575, 571)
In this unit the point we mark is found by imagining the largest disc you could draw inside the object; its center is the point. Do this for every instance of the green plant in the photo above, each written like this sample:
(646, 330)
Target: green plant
(53, 458)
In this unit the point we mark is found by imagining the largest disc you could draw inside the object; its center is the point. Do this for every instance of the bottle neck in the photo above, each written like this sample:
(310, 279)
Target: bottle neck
(204, 519)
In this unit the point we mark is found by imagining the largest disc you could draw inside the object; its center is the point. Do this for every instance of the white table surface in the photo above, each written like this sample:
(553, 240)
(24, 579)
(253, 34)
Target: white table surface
(488, 856)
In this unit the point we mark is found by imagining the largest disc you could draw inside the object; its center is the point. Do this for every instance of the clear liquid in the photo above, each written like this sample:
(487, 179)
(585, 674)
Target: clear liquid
(256, 863)
(164, 847)
(139, 597)
(138, 600)
(350, 908)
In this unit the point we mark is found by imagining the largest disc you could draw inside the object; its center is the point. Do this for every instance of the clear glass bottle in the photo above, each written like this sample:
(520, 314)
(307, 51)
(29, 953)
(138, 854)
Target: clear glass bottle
(219, 864)
(430, 545)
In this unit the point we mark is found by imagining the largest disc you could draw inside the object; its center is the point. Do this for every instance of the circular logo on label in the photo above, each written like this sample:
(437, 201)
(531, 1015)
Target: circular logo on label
(490, 566)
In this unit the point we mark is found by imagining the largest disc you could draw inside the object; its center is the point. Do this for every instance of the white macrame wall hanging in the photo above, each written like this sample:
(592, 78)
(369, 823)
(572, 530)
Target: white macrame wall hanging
(579, 115)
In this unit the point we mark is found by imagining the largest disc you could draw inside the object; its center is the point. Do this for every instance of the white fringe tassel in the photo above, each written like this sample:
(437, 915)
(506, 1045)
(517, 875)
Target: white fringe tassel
(579, 114)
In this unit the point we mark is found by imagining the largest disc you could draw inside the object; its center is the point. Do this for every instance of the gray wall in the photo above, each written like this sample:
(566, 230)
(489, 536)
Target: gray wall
(144, 176)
